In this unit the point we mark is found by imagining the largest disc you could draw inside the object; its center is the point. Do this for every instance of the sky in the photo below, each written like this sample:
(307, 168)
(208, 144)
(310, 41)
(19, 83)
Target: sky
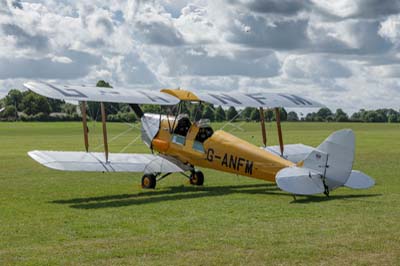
(345, 54)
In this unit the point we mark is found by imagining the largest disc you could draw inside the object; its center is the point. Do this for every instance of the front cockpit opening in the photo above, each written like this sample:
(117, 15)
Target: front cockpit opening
(181, 129)
(183, 125)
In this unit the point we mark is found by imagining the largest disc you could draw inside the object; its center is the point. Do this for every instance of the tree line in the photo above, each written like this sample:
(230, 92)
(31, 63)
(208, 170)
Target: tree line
(29, 106)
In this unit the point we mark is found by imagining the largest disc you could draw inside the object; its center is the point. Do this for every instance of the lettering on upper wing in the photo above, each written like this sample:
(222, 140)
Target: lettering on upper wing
(67, 92)
(256, 97)
(224, 98)
(296, 99)
(153, 98)
(231, 161)
(104, 92)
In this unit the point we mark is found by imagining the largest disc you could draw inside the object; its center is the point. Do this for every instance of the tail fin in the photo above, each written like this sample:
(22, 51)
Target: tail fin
(329, 166)
(334, 158)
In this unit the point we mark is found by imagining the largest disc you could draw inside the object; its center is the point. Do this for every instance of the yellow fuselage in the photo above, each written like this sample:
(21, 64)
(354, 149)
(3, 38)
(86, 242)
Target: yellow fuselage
(222, 151)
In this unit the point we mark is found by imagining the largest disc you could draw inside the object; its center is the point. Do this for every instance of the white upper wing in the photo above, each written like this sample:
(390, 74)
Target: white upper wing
(99, 94)
(96, 162)
(257, 99)
(237, 99)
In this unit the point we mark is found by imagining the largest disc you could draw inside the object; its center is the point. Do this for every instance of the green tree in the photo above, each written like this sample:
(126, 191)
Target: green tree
(219, 114)
(151, 108)
(357, 116)
(55, 105)
(283, 114)
(124, 108)
(341, 116)
(197, 111)
(393, 118)
(382, 114)
(311, 117)
(231, 113)
(185, 109)
(325, 114)
(33, 103)
(246, 113)
(255, 115)
(292, 116)
(269, 115)
(9, 113)
(104, 84)
(14, 98)
(68, 108)
(374, 116)
(208, 113)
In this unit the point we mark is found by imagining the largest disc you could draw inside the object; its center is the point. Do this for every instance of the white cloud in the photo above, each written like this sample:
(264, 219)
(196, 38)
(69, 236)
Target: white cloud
(314, 67)
(358, 8)
(340, 8)
(390, 29)
(61, 59)
(344, 53)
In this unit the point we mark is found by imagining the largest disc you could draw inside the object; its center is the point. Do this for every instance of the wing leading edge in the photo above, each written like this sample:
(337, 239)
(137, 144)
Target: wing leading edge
(99, 94)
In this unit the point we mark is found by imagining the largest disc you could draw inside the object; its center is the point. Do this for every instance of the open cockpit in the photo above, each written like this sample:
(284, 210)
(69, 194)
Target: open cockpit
(191, 134)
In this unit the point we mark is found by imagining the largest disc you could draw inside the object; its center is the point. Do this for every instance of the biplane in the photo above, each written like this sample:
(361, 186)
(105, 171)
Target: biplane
(179, 145)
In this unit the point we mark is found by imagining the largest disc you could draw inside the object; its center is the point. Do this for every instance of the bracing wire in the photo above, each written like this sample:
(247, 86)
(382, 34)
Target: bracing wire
(129, 144)
(230, 121)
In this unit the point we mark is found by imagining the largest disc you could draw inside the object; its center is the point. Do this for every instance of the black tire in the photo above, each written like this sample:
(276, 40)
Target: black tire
(197, 178)
(149, 181)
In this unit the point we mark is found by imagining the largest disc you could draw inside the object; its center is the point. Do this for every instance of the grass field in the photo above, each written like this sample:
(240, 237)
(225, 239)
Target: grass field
(64, 218)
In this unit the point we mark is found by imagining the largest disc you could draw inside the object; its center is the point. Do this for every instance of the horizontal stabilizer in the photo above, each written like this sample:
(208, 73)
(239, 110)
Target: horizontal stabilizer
(292, 152)
(96, 162)
(299, 181)
(359, 180)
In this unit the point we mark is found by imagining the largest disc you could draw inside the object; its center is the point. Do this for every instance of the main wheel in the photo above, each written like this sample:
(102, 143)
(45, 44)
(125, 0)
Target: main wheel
(149, 181)
(197, 178)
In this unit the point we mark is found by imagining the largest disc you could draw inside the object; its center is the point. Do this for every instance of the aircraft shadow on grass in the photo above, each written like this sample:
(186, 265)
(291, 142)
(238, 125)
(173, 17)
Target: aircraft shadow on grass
(185, 192)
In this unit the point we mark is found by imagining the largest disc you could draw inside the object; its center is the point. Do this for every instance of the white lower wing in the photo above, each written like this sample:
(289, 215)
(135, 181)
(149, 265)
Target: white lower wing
(96, 162)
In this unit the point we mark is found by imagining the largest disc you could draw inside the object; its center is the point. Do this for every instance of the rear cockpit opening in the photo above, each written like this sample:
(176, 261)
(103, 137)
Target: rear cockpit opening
(205, 132)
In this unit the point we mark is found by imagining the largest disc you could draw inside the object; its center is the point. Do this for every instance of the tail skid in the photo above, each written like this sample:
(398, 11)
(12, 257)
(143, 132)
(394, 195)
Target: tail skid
(326, 168)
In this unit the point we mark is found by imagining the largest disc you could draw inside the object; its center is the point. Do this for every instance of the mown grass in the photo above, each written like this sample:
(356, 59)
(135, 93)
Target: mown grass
(63, 218)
